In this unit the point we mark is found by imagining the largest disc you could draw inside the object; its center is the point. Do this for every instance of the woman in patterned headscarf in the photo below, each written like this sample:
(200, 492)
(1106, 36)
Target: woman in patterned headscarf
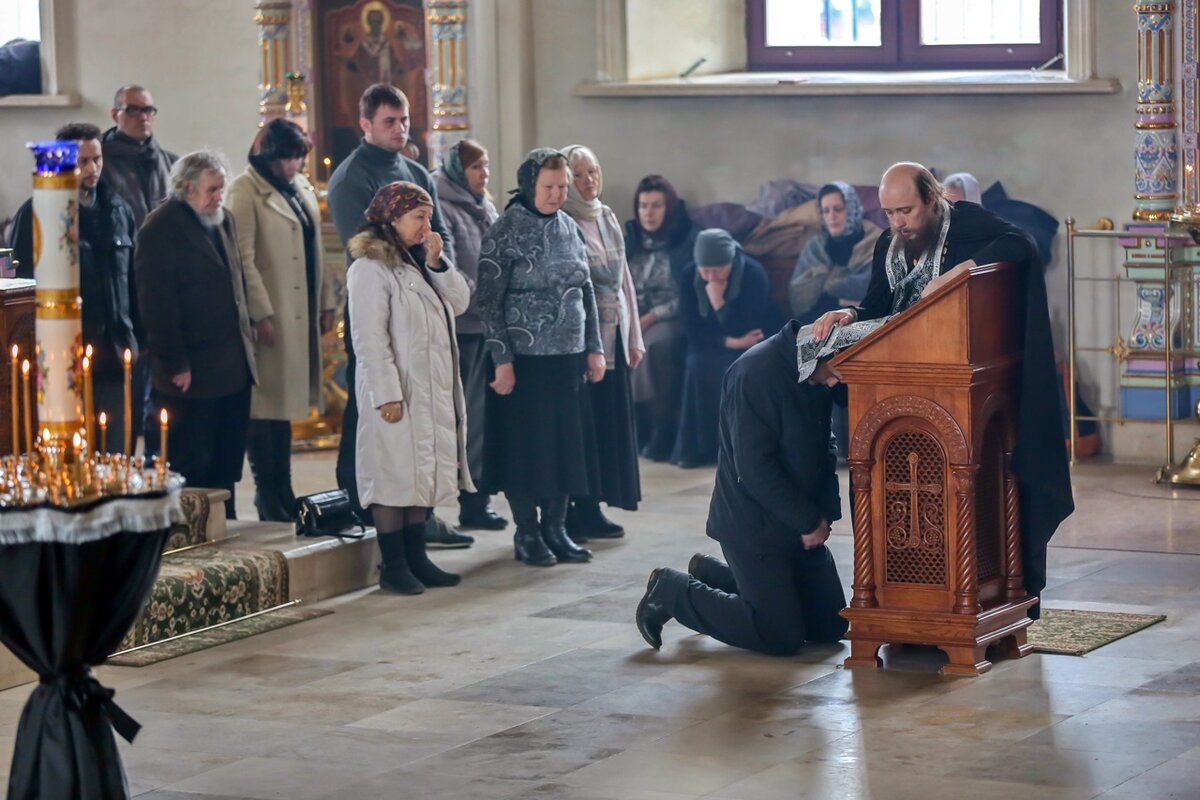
(538, 306)
(404, 295)
(835, 266)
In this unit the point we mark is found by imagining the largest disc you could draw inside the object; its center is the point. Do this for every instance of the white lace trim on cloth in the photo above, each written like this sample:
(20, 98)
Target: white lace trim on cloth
(809, 351)
(134, 514)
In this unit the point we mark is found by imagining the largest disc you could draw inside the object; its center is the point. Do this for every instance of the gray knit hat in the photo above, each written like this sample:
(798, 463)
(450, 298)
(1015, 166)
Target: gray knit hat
(714, 248)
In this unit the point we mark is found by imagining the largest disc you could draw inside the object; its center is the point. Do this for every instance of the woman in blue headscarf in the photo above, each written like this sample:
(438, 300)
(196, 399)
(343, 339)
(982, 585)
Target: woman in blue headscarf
(835, 266)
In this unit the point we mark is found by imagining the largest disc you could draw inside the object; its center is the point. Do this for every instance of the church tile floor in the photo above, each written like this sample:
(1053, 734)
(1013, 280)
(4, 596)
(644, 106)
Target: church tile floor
(533, 683)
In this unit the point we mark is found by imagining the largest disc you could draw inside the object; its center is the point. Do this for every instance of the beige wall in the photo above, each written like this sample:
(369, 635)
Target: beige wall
(713, 29)
(196, 56)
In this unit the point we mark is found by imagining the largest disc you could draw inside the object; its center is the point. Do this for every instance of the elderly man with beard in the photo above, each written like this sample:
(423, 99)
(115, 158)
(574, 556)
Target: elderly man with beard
(776, 492)
(192, 294)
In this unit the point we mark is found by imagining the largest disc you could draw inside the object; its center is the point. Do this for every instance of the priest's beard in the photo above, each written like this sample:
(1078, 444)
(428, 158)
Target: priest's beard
(925, 238)
(212, 219)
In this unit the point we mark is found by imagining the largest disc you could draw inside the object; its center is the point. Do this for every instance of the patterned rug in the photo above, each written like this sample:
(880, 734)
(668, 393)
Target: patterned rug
(202, 587)
(1073, 633)
(228, 633)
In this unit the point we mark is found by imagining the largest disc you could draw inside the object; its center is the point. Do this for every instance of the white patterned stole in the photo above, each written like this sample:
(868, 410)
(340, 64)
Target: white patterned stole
(906, 284)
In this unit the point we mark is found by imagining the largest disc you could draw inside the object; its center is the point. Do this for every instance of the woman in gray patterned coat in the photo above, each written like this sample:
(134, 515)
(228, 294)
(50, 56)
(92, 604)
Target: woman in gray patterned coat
(538, 307)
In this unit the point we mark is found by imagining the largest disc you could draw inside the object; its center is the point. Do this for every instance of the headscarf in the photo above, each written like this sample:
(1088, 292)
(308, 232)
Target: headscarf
(675, 219)
(854, 211)
(527, 175)
(395, 200)
(456, 171)
(967, 184)
(714, 248)
(576, 206)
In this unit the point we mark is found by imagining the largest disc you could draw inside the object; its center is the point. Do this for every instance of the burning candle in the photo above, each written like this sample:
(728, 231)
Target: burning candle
(16, 421)
(128, 401)
(28, 405)
(103, 432)
(89, 422)
(162, 455)
(76, 447)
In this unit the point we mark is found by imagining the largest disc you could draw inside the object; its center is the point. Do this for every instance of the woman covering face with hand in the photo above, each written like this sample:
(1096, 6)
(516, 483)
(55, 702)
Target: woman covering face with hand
(404, 296)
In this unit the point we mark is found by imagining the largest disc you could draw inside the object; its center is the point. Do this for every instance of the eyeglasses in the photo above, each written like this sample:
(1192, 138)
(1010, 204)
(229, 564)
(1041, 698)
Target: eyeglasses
(149, 111)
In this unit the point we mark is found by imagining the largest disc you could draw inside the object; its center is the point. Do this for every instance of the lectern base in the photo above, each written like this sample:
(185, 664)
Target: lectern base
(964, 638)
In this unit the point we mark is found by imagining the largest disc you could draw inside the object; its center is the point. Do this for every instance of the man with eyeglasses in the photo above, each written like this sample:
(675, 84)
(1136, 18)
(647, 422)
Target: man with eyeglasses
(135, 165)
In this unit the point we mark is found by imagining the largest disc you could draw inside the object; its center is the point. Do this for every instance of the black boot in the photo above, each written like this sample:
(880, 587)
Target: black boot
(652, 613)
(475, 511)
(554, 533)
(262, 451)
(394, 574)
(527, 541)
(662, 440)
(418, 562)
(586, 521)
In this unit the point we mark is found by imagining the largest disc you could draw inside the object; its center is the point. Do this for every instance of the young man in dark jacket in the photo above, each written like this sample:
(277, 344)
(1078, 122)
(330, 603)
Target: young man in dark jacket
(106, 281)
(775, 497)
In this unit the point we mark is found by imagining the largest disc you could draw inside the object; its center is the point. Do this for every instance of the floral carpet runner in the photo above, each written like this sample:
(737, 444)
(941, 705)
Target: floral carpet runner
(1073, 633)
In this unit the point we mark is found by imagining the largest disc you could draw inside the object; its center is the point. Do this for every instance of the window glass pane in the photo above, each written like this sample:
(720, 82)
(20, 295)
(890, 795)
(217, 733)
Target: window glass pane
(814, 23)
(20, 19)
(980, 22)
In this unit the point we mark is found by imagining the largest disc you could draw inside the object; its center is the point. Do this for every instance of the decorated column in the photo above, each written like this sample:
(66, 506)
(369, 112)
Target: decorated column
(1156, 156)
(274, 18)
(447, 23)
(58, 333)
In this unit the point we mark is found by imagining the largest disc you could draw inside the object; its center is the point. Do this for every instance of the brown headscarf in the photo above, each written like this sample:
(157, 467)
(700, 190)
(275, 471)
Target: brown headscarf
(395, 200)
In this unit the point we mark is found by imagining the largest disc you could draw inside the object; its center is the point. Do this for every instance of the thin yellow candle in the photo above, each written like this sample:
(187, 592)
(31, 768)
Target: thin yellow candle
(103, 432)
(16, 404)
(89, 422)
(162, 453)
(128, 402)
(28, 405)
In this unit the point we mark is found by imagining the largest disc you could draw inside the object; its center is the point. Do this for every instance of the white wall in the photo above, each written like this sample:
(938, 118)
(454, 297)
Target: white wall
(197, 57)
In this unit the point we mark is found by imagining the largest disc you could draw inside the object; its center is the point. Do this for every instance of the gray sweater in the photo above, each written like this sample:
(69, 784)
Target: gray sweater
(535, 293)
(356, 180)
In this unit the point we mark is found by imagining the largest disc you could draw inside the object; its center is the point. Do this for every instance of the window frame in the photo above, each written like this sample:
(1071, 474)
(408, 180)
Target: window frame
(901, 47)
(53, 93)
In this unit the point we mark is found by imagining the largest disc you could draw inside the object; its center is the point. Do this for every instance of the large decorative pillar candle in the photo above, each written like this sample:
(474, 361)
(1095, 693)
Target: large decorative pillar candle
(1156, 157)
(447, 22)
(274, 18)
(57, 374)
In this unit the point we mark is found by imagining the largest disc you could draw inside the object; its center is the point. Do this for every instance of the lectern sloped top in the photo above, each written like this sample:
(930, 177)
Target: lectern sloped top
(951, 338)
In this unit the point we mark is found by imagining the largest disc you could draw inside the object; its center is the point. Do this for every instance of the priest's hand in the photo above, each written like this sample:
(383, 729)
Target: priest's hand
(595, 367)
(826, 374)
(183, 380)
(830, 320)
(817, 536)
(392, 412)
(328, 320)
(506, 379)
(946, 277)
(264, 331)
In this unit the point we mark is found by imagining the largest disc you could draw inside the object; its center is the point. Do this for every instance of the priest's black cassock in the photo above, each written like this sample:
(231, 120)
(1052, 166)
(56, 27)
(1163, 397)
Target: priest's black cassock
(1040, 455)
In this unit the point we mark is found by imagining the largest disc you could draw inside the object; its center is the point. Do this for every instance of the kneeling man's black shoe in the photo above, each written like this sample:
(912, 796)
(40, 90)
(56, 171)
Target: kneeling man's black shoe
(651, 614)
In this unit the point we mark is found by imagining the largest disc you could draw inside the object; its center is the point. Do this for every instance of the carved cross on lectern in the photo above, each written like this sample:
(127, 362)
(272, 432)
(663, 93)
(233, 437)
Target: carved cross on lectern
(917, 534)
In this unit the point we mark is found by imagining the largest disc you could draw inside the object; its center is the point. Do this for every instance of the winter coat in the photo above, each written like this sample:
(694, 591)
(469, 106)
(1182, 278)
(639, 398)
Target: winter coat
(403, 332)
(776, 468)
(271, 241)
(468, 222)
(138, 171)
(193, 303)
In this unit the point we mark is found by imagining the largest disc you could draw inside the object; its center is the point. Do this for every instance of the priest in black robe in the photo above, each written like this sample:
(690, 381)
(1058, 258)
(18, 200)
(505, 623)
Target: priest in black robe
(929, 242)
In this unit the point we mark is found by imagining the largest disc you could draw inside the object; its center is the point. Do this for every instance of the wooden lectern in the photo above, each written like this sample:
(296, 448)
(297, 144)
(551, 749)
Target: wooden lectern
(937, 542)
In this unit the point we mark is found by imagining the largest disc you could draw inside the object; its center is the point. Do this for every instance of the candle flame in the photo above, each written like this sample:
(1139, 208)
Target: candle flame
(76, 440)
(103, 420)
(87, 362)
(25, 367)
(45, 434)
(327, 160)
(163, 416)
(128, 355)
(87, 351)
(14, 352)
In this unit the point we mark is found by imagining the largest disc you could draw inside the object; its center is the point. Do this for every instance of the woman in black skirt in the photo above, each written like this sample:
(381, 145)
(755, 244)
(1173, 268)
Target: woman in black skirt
(621, 334)
(538, 308)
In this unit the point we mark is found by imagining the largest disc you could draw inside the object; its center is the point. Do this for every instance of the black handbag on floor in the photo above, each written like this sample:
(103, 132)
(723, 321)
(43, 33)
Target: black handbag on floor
(328, 514)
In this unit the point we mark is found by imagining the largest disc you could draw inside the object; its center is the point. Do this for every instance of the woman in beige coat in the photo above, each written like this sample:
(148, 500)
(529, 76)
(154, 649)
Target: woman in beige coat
(411, 448)
(291, 302)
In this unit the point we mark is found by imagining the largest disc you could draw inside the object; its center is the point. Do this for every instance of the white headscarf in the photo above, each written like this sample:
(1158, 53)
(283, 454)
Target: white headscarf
(966, 183)
(576, 206)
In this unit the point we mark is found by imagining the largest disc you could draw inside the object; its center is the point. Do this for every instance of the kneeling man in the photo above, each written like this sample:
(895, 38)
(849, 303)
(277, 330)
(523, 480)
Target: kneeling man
(775, 497)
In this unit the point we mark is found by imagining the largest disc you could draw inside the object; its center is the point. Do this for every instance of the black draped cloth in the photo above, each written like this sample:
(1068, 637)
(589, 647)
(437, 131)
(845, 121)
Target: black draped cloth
(72, 586)
(1040, 455)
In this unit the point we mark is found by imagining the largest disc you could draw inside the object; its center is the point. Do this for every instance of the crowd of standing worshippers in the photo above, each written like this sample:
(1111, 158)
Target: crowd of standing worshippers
(534, 351)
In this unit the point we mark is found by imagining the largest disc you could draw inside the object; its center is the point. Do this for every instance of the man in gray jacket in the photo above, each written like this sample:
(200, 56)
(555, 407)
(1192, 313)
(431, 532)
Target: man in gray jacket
(376, 162)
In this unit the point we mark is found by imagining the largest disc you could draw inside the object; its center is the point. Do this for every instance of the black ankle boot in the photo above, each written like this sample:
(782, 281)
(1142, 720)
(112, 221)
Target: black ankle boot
(586, 521)
(528, 545)
(425, 570)
(554, 533)
(394, 574)
(652, 613)
(662, 440)
(475, 511)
